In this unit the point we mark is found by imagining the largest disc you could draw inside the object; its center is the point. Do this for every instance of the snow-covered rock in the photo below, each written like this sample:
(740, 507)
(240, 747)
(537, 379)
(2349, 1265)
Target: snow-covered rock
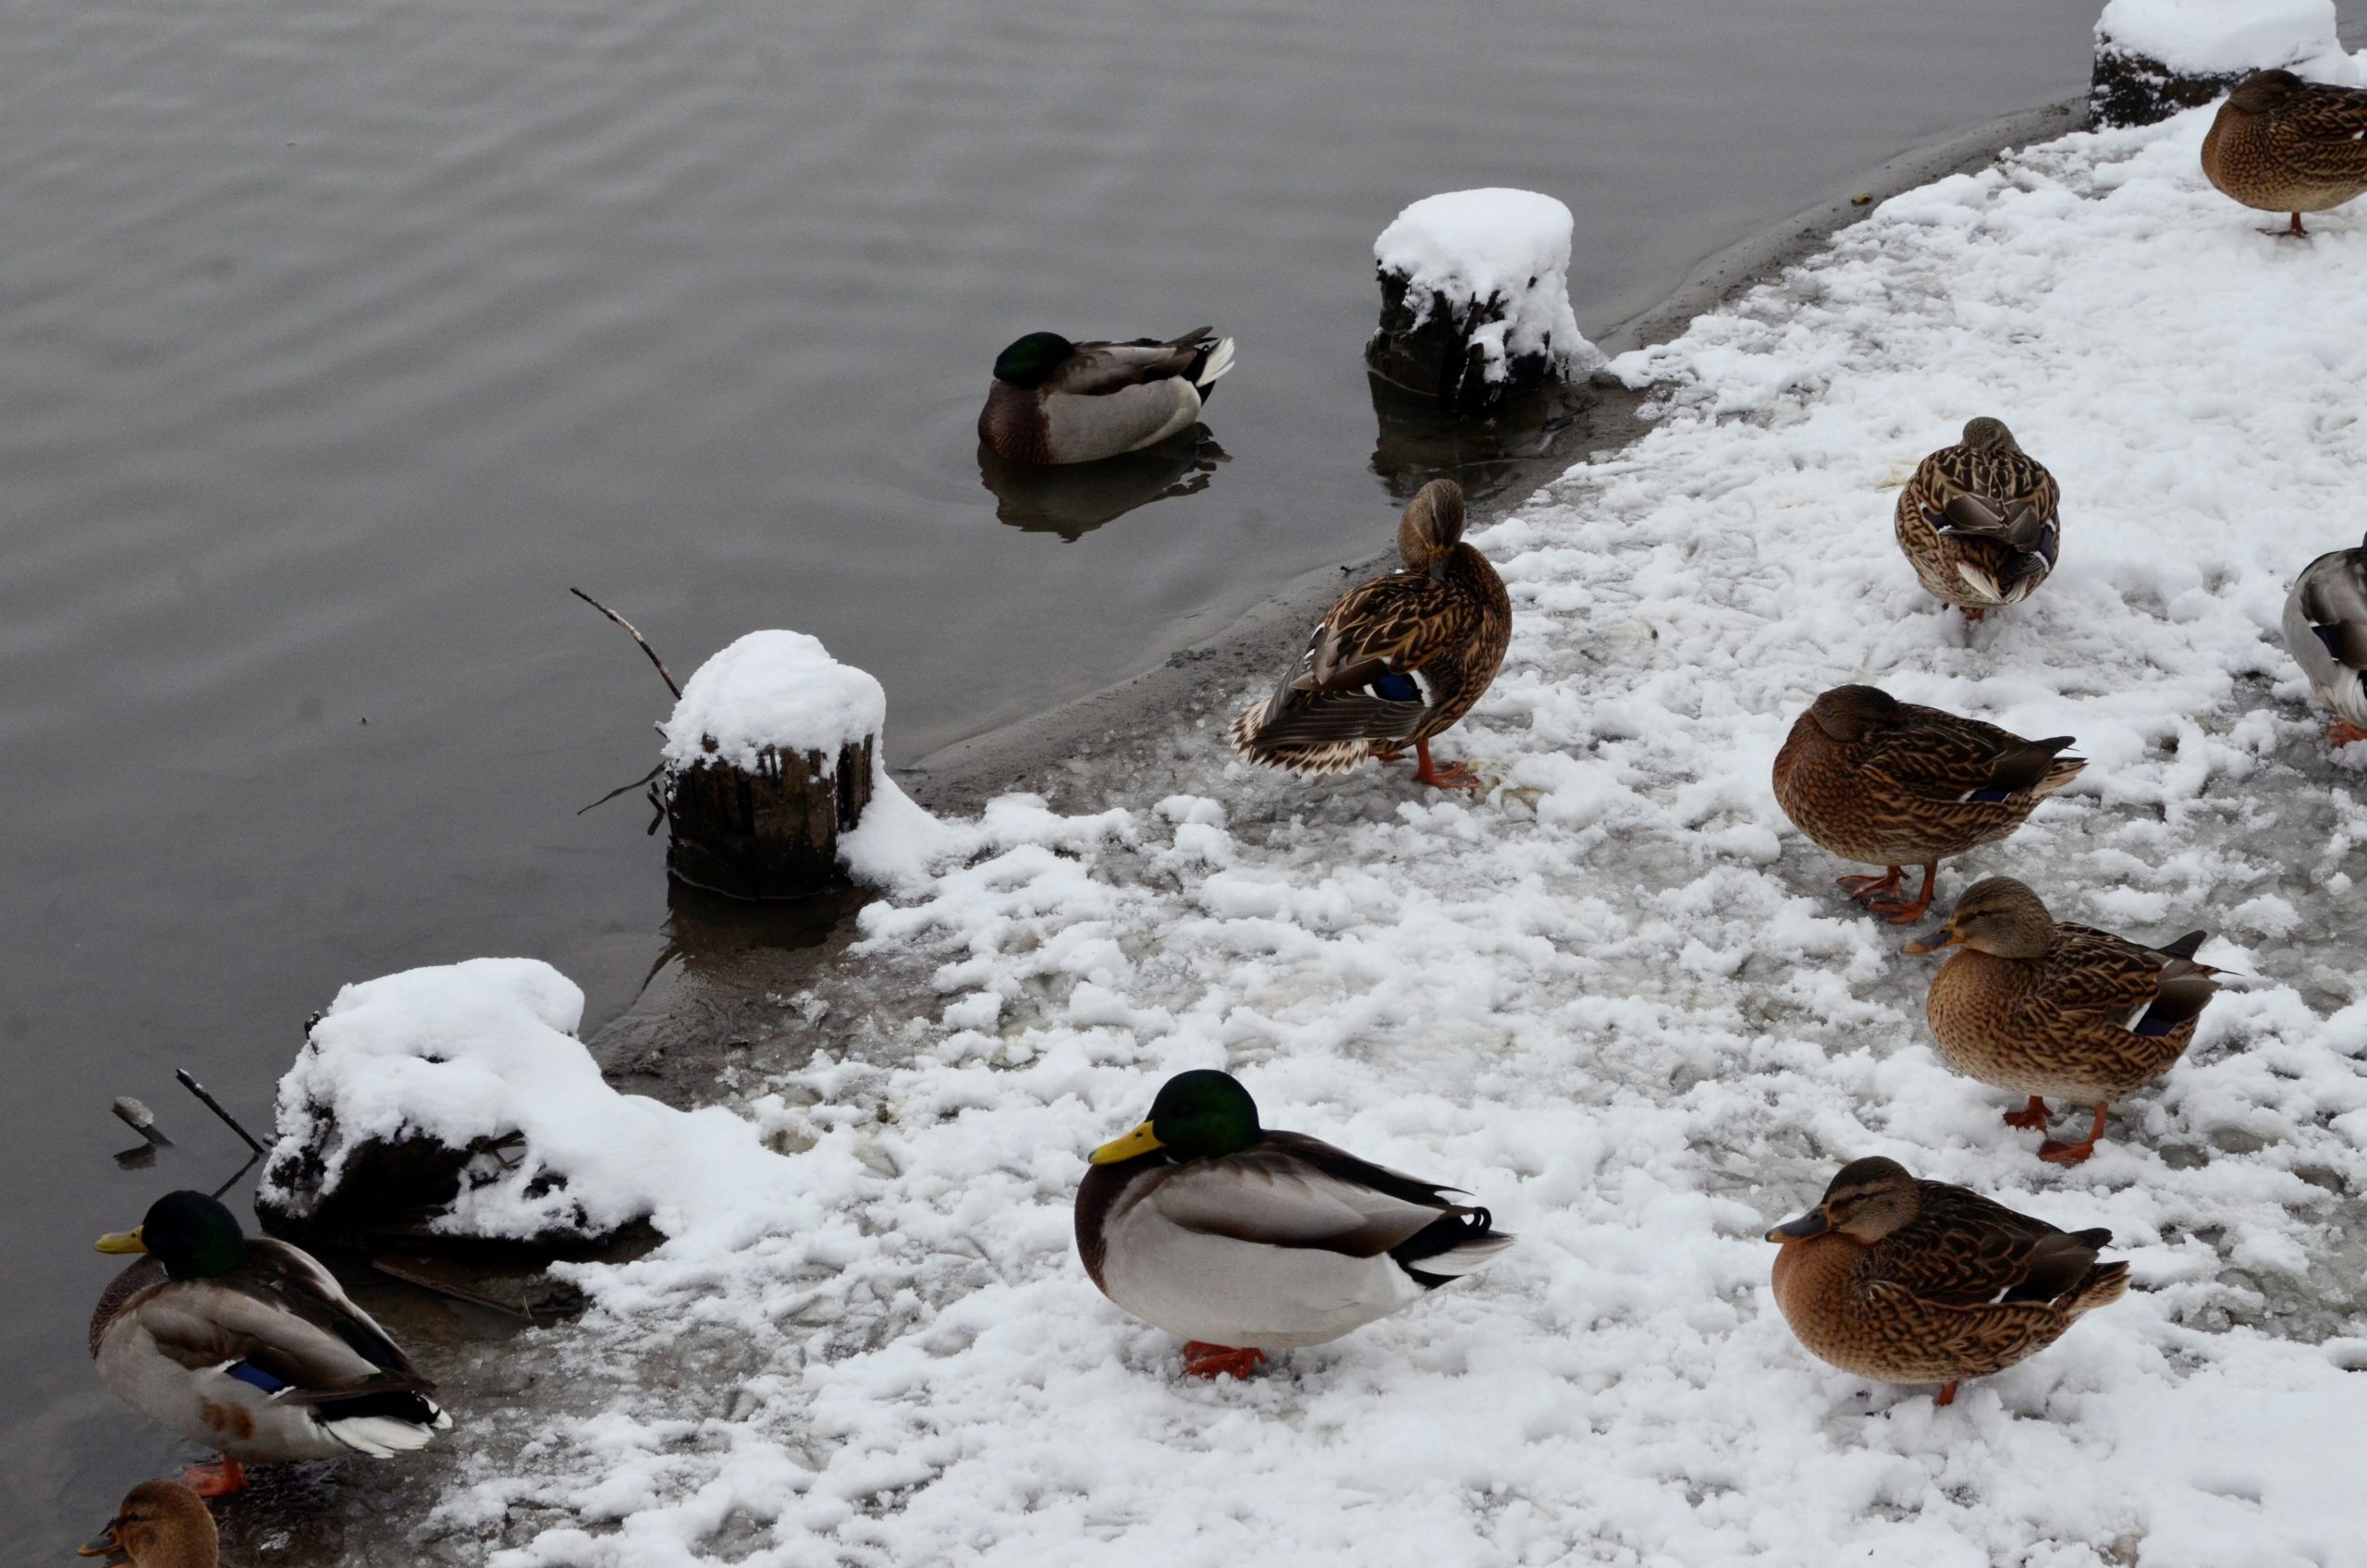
(456, 1100)
(2154, 58)
(1475, 298)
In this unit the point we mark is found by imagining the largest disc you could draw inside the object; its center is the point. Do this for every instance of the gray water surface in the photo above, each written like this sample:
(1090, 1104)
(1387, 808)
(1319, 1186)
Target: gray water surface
(337, 339)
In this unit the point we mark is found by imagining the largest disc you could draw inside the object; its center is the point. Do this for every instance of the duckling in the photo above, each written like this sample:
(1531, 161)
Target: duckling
(1394, 661)
(249, 1347)
(1054, 401)
(2040, 1007)
(2325, 625)
(1242, 1239)
(1889, 783)
(2285, 145)
(1915, 1281)
(1977, 521)
(161, 1525)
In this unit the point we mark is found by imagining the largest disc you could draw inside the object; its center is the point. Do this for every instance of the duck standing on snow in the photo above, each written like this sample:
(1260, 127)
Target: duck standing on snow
(1977, 521)
(2325, 625)
(160, 1524)
(1915, 1281)
(2285, 145)
(1243, 1240)
(1394, 661)
(2041, 1008)
(250, 1347)
(1893, 784)
(1054, 401)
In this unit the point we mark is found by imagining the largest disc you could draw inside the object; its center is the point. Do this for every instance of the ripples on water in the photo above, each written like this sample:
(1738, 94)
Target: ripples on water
(340, 340)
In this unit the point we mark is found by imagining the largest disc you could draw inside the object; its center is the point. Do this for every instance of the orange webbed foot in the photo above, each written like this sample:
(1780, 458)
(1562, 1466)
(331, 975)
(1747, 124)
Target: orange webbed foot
(1204, 1360)
(2073, 1153)
(1974, 612)
(218, 1479)
(2342, 732)
(1453, 775)
(2032, 1116)
(1948, 1395)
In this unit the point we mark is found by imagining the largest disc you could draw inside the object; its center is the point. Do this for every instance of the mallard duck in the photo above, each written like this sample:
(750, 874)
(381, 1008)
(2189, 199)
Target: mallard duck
(1892, 784)
(1977, 521)
(1915, 1281)
(2285, 145)
(247, 1346)
(1054, 401)
(161, 1525)
(2325, 625)
(1393, 661)
(2041, 1008)
(1243, 1240)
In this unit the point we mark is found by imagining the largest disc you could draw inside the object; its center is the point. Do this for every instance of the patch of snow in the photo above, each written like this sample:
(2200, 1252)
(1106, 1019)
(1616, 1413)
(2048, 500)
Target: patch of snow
(2222, 37)
(1620, 1002)
(776, 689)
(1494, 243)
(481, 1050)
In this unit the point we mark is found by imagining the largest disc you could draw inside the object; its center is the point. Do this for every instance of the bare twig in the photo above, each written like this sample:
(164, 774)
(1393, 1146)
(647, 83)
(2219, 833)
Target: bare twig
(141, 1119)
(194, 1087)
(636, 637)
(238, 1173)
(621, 789)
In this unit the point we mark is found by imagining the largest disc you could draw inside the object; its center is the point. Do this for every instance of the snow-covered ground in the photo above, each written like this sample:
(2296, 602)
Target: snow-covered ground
(1621, 1003)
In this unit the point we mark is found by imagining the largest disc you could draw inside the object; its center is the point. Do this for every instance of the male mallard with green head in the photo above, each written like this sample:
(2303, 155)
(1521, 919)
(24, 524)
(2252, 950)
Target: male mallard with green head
(1394, 661)
(160, 1524)
(247, 1346)
(1915, 1281)
(2285, 145)
(2325, 625)
(1977, 521)
(1242, 1239)
(1054, 401)
(2044, 1007)
(1893, 784)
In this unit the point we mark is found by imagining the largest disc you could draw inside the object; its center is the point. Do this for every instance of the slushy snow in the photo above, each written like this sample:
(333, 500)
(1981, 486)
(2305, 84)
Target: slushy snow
(772, 689)
(1475, 245)
(1620, 1001)
(2223, 37)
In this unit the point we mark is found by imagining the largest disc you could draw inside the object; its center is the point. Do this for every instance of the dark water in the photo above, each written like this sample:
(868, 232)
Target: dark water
(337, 339)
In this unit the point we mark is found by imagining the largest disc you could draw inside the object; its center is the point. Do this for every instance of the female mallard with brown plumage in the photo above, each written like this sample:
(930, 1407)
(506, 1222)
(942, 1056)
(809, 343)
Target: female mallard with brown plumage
(1915, 1281)
(2044, 1007)
(1054, 401)
(159, 1524)
(247, 1346)
(2285, 145)
(1893, 784)
(1977, 521)
(1242, 1239)
(2325, 625)
(1395, 660)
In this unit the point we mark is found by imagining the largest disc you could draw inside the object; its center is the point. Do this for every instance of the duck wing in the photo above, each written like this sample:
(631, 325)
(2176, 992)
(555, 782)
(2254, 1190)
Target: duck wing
(2321, 133)
(2331, 598)
(1964, 1250)
(1293, 1191)
(2145, 990)
(1943, 757)
(1097, 370)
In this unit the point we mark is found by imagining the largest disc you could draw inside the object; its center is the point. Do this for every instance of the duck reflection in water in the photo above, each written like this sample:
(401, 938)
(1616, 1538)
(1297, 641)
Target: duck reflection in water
(1073, 501)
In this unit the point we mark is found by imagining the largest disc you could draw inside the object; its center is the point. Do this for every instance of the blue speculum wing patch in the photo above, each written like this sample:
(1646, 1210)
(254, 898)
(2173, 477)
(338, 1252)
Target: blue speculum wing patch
(1397, 688)
(1994, 797)
(256, 1376)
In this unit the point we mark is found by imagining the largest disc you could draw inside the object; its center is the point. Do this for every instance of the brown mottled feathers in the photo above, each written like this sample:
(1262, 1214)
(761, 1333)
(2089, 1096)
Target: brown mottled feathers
(2282, 144)
(1962, 1249)
(1977, 522)
(1905, 784)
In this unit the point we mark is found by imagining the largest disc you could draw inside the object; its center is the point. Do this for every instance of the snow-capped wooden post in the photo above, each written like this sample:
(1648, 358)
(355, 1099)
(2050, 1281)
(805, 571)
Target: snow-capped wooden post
(2155, 58)
(1475, 299)
(769, 756)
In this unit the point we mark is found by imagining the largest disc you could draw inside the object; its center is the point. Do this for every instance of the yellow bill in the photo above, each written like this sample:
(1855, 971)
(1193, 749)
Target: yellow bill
(1142, 1139)
(123, 1240)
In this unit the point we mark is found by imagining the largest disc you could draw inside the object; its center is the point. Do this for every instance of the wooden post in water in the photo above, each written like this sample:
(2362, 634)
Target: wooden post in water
(770, 757)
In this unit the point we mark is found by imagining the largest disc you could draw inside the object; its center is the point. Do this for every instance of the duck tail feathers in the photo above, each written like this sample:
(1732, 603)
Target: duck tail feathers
(1460, 1241)
(383, 1437)
(2105, 1284)
(1213, 362)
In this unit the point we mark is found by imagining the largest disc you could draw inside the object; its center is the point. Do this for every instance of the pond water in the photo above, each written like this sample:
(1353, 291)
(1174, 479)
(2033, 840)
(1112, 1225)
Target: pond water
(341, 339)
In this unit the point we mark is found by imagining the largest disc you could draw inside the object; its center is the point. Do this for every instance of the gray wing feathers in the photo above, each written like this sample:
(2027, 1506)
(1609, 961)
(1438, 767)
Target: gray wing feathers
(1083, 426)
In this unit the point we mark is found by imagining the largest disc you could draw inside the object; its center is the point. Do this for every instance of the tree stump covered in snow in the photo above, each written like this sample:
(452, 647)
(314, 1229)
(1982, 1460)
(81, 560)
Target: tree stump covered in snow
(2155, 58)
(1475, 299)
(769, 756)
